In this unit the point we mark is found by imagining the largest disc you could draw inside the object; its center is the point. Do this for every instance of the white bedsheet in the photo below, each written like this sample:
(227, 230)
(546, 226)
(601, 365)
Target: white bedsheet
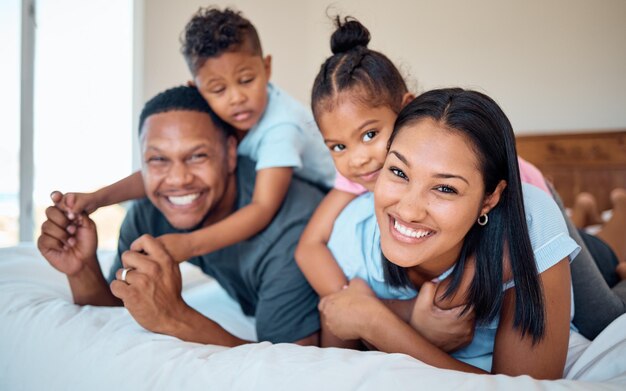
(47, 343)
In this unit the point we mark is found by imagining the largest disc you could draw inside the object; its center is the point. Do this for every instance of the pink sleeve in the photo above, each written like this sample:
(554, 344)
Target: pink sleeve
(531, 175)
(344, 184)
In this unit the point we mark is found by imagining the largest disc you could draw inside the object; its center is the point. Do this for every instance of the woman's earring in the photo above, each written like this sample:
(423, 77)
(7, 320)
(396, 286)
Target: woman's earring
(483, 220)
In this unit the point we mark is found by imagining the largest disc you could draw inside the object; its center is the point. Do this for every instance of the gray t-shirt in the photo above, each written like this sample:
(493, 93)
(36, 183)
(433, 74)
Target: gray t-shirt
(261, 272)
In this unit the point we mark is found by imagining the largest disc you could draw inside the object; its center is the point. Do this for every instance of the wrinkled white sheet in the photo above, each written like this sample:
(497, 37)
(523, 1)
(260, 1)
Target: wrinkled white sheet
(47, 343)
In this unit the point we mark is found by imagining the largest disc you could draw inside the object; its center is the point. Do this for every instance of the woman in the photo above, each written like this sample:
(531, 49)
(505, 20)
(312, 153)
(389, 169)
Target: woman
(450, 216)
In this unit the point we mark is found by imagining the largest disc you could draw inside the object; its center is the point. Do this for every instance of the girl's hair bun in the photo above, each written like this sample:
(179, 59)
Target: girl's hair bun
(349, 34)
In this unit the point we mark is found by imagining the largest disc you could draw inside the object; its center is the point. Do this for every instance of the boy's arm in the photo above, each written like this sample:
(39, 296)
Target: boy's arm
(73, 204)
(129, 188)
(312, 254)
(152, 295)
(270, 190)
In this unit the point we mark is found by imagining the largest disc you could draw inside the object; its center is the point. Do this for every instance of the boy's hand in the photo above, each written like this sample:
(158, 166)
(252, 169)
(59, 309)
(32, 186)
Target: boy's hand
(177, 245)
(446, 329)
(74, 204)
(67, 245)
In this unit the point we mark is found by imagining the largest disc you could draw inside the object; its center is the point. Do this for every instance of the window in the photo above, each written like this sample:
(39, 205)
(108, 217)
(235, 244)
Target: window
(10, 44)
(82, 105)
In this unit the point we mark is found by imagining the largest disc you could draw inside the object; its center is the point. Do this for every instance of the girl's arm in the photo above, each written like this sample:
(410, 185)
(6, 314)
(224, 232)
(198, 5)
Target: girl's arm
(515, 355)
(129, 188)
(356, 313)
(270, 190)
(444, 328)
(312, 254)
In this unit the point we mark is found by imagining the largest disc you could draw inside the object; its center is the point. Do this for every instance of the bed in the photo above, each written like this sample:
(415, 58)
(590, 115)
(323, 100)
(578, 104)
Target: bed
(46, 342)
(592, 161)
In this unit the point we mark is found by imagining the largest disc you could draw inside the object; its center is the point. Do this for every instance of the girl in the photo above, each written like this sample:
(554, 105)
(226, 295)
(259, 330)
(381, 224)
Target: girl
(356, 98)
(449, 204)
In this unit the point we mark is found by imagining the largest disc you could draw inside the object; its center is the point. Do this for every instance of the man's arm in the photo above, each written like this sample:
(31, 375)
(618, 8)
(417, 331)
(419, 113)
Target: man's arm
(152, 295)
(89, 287)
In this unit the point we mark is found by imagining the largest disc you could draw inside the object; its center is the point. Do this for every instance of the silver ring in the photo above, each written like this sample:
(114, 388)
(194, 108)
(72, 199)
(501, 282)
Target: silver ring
(124, 273)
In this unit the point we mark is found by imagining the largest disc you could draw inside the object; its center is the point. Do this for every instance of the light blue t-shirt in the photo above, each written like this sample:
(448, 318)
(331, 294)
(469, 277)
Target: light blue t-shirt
(287, 136)
(355, 244)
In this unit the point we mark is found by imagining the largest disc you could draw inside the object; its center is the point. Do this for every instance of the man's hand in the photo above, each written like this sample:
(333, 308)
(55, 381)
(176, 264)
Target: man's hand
(446, 329)
(67, 245)
(152, 290)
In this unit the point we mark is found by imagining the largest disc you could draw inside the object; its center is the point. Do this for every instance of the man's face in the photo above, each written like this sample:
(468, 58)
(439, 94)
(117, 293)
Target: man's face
(186, 167)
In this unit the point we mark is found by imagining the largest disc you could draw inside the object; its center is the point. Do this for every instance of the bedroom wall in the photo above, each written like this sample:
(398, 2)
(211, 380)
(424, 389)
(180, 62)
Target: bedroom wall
(553, 66)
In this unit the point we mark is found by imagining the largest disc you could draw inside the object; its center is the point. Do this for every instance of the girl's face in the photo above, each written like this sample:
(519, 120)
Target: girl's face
(428, 196)
(357, 136)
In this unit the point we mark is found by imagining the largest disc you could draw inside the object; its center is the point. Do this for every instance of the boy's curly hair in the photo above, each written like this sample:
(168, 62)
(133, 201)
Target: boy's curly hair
(211, 32)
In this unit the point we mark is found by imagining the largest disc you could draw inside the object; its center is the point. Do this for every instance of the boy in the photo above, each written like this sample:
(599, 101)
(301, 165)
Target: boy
(224, 55)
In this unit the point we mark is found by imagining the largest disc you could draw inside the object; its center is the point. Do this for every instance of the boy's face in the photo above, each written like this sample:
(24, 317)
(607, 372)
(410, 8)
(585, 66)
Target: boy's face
(186, 167)
(235, 86)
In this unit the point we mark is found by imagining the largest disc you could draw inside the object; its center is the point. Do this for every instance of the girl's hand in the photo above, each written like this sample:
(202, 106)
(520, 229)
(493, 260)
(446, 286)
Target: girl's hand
(349, 312)
(446, 329)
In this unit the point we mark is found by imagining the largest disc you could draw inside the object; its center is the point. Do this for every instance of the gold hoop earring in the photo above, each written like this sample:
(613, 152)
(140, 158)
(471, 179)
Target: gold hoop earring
(483, 220)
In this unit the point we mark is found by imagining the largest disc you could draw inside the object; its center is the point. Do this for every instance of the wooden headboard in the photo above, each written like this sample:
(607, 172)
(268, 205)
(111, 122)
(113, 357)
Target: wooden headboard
(594, 162)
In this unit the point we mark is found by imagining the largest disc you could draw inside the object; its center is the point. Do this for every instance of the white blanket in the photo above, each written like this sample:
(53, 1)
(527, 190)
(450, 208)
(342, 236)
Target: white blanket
(48, 343)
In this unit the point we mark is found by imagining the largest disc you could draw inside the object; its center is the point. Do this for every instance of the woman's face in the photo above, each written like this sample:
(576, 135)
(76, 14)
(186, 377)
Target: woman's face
(357, 137)
(429, 194)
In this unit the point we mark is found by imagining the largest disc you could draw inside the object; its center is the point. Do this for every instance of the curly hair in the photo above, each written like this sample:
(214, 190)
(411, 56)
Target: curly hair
(211, 32)
(182, 98)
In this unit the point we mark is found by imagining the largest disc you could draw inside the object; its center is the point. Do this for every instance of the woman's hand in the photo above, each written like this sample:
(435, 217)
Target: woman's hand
(447, 329)
(356, 313)
(349, 312)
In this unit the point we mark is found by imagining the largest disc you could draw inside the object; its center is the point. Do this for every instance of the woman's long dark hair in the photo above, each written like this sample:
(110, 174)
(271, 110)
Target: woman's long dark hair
(478, 118)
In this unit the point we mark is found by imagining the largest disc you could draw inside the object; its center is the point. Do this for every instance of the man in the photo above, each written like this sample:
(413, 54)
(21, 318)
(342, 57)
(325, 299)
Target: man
(192, 178)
